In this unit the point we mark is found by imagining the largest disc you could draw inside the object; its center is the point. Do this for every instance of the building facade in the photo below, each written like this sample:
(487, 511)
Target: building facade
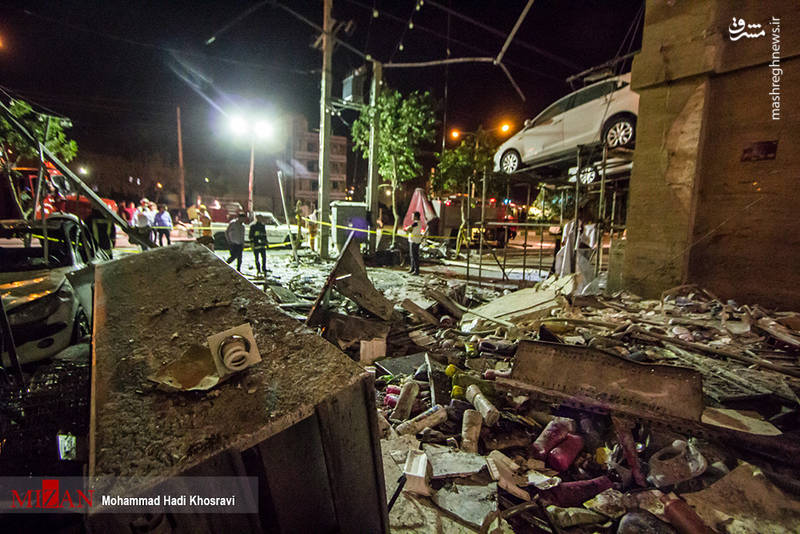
(304, 147)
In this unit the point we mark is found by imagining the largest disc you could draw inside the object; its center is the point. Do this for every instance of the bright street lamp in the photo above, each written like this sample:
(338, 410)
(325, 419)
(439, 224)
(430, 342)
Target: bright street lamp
(83, 170)
(258, 129)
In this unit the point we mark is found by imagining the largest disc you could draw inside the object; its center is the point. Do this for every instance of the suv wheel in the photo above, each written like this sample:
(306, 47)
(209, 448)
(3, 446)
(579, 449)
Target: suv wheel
(620, 132)
(510, 162)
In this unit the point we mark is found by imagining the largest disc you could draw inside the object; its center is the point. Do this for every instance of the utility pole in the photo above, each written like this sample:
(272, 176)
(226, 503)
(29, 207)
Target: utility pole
(250, 177)
(372, 173)
(325, 130)
(181, 172)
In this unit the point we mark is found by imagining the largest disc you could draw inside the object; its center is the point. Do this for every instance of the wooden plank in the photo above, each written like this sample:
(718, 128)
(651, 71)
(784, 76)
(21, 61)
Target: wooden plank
(446, 302)
(355, 469)
(422, 315)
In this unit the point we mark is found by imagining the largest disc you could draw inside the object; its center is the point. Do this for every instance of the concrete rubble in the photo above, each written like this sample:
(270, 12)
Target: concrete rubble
(545, 411)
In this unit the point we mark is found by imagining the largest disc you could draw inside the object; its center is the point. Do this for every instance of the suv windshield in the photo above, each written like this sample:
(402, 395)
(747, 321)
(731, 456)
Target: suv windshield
(21, 249)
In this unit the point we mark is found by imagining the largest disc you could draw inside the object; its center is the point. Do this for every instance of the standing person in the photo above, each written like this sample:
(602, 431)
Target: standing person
(204, 224)
(415, 233)
(298, 214)
(258, 240)
(163, 225)
(235, 235)
(142, 222)
(312, 228)
(130, 213)
(126, 210)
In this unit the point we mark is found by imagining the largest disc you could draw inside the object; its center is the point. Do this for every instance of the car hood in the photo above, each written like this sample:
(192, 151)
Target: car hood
(20, 288)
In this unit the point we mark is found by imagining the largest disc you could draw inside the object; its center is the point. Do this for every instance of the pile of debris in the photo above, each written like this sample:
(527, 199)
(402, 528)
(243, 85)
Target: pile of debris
(546, 411)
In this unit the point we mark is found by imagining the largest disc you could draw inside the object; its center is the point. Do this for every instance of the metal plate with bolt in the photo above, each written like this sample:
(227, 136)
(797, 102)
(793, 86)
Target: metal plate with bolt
(234, 349)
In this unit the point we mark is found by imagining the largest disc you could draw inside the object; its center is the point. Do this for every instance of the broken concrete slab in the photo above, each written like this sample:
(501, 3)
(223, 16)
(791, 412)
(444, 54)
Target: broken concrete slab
(525, 304)
(584, 373)
(417, 311)
(349, 277)
(401, 365)
(469, 503)
(303, 385)
(448, 463)
(736, 420)
(446, 302)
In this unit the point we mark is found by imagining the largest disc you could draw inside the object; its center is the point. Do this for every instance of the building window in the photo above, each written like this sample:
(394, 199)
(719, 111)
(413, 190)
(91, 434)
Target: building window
(335, 186)
(311, 147)
(312, 166)
(314, 186)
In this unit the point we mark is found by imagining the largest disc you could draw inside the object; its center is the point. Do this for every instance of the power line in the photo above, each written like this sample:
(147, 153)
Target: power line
(502, 34)
(409, 25)
(438, 35)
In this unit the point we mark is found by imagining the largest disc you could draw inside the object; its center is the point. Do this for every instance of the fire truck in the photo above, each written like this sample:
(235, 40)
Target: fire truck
(57, 195)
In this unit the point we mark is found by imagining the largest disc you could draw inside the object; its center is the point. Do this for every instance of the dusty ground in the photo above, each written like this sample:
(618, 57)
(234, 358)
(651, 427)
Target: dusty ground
(150, 308)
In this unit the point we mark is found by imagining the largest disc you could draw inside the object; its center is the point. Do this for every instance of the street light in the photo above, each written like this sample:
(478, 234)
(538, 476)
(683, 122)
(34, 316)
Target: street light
(256, 130)
(83, 170)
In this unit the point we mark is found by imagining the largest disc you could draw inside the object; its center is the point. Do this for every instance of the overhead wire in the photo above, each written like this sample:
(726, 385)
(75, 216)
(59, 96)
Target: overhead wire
(409, 25)
(438, 34)
(502, 34)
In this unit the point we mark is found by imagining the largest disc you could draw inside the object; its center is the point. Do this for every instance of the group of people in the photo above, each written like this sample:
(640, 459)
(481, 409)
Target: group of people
(149, 220)
(235, 234)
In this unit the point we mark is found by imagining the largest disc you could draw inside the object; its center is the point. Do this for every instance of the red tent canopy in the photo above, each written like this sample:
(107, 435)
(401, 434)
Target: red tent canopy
(420, 203)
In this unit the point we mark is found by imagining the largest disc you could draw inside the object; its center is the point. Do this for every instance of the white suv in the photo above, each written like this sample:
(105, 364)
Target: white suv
(605, 110)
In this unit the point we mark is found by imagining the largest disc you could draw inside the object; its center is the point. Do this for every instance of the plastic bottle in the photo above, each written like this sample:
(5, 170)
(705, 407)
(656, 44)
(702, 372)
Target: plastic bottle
(390, 400)
(433, 416)
(405, 401)
(681, 516)
(471, 430)
(562, 456)
(464, 380)
(553, 434)
(490, 414)
(394, 390)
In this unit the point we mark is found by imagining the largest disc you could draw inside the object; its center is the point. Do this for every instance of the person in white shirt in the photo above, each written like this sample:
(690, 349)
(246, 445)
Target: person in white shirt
(142, 219)
(235, 235)
(415, 235)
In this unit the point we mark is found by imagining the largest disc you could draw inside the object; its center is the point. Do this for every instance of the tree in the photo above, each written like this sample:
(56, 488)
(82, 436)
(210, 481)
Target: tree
(404, 124)
(14, 147)
(468, 160)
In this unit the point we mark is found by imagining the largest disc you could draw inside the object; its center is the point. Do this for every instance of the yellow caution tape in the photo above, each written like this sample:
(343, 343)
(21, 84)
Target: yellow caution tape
(383, 232)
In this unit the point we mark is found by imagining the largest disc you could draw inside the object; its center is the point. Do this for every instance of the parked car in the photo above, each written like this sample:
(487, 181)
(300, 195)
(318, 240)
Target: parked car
(47, 294)
(277, 232)
(606, 111)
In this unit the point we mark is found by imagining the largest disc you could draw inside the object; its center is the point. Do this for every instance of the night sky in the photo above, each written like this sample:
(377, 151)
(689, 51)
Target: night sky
(118, 69)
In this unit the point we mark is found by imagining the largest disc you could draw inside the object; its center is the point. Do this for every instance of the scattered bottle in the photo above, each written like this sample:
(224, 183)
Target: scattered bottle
(490, 414)
(433, 416)
(405, 401)
(471, 430)
(553, 434)
(563, 454)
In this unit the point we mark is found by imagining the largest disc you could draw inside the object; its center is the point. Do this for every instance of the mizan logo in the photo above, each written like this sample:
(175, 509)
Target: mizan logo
(50, 497)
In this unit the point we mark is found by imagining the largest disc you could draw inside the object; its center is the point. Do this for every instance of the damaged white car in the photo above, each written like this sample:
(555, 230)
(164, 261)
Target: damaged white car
(46, 279)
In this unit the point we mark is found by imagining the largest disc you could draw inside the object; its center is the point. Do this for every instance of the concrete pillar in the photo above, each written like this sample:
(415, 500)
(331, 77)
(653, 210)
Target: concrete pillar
(700, 211)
